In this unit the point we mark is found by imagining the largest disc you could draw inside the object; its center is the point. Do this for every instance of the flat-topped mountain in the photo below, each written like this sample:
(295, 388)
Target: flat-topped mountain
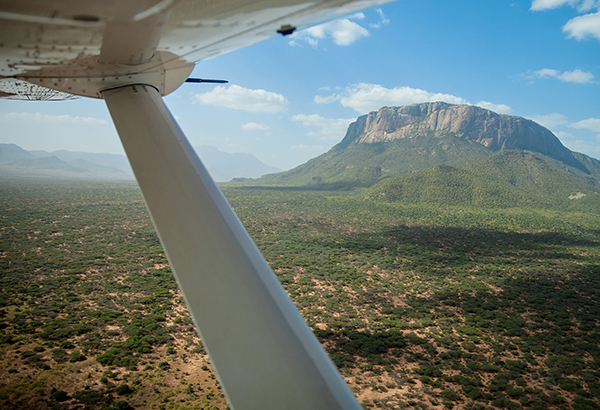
(439, 119)
(399, 140)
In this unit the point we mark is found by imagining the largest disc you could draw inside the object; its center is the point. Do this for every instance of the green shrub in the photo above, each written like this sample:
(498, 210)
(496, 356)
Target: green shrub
(123, 390)
(60, 395)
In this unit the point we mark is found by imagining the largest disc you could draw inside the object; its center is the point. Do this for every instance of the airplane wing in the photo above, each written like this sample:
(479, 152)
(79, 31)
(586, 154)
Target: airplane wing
(82, 47)
(130, 53)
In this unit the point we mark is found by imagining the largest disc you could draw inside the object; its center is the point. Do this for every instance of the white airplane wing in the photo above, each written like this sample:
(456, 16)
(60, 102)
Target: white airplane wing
(82, 47)
(130, 53)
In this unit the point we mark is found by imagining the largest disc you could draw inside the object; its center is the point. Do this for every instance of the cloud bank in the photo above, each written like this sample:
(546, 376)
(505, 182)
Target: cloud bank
(365, 97)
(343, 32)
(576, 76)
(580, 27)
(592, 124)
(245, 99)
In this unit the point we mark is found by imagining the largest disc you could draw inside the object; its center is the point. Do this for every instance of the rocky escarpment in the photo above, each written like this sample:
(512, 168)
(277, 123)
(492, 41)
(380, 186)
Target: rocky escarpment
(439, 119)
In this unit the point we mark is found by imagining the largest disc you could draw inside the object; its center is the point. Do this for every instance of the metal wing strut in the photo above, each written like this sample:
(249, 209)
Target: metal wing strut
(264, 354)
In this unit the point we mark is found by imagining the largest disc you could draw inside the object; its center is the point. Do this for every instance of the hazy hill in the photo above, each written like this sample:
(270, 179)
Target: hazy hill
(399, 140)
(15, 161)
(12, 152)
(224, 166)
(114, 162)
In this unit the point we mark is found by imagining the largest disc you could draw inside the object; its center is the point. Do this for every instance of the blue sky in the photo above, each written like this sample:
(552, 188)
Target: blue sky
(291, 98)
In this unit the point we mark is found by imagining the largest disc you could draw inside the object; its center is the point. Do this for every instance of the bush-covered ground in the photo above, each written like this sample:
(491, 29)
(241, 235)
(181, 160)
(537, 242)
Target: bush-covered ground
(419, 306)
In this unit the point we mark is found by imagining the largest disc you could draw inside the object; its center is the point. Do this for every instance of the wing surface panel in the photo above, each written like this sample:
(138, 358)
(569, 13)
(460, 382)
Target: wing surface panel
(83, 47)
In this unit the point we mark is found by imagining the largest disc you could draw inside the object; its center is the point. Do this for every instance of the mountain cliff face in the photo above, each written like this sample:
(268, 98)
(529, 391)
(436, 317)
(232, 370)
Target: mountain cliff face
(399, 140)
(494, 131)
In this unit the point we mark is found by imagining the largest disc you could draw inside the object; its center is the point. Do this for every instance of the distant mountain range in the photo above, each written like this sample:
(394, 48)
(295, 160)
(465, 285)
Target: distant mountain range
(15, 161)
(452, 154)
(224, 167)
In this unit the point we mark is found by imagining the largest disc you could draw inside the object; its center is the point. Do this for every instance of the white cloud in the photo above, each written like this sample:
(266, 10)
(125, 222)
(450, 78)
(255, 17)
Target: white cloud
(253, 126)
(538, 5)
(499, 108)
(382, 19)
(328, 128)
(592, 124)
(245, 99)
(546, 72)
(357, 16)
(343, 32)
(326, 100)
(365, 97)
(576, 76)
(587, 147)
(582, 6)
(587, 5)
(581, 27)
(550, 120)
(38, 117)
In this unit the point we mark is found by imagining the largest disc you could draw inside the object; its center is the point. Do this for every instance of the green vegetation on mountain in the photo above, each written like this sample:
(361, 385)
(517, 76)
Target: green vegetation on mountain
(448, 186)
(365, 164)
(399, 140)
(420, 305)
(505, 179)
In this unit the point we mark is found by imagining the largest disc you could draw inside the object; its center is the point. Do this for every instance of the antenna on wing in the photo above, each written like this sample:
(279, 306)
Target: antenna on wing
(204, 80)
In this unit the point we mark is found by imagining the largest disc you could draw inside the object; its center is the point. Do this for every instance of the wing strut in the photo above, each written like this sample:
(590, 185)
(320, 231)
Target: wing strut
(264, 354)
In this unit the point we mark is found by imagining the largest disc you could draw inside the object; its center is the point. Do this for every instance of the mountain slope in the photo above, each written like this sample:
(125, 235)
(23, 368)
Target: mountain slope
(398, 140)
(363, 164)
(447, 185)
(505, 179)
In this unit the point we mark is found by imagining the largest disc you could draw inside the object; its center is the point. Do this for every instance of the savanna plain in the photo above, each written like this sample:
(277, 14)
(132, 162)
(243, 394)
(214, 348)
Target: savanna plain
(419, 305)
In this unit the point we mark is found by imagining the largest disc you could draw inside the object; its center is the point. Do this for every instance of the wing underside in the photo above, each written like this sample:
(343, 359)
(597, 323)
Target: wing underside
(83, 47)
